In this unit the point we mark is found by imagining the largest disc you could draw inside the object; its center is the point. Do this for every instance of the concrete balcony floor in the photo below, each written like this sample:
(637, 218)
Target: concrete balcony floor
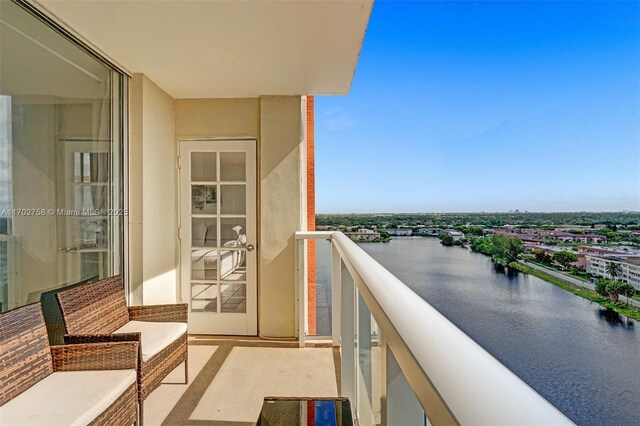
(229, 377)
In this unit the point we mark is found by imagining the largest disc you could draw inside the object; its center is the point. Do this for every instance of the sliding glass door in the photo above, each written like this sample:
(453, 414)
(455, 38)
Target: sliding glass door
(61, 171)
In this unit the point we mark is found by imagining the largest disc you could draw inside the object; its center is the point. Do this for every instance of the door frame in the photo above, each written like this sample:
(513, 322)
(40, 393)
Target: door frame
(252, 329)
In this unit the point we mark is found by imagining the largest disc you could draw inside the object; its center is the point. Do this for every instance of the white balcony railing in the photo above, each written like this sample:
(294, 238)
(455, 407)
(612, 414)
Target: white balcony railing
(402, 361)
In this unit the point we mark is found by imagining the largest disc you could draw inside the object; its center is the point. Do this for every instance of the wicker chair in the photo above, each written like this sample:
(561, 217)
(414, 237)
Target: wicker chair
(42, 384)
(97, 312)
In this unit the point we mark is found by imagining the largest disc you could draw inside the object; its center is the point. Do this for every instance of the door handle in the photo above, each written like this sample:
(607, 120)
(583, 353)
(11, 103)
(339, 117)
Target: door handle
(250, 247)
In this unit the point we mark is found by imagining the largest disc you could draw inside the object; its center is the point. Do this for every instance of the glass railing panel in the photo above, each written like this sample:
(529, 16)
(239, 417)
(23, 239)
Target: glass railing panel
(319, 287)
(368, 368)
(403, 407)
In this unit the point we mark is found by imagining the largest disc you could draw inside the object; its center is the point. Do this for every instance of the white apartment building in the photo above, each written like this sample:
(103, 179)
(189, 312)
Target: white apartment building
(363, 235)
(457, 235)
(630, 268)
(429, 231)
(401, 232)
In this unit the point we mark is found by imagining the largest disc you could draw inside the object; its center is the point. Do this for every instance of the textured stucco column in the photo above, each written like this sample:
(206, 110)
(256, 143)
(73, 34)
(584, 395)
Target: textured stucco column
(281, 211)
(153, 242)
(135, 190)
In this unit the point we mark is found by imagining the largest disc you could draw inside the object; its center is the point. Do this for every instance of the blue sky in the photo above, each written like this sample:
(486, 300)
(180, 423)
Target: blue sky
(487, 107)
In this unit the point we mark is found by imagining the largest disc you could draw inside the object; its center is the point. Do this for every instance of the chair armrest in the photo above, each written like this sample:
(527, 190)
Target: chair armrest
(159, 313)
(101, 338)
(95, 356)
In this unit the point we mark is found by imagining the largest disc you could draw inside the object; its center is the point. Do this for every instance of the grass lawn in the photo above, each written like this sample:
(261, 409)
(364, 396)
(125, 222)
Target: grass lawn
(620, 307)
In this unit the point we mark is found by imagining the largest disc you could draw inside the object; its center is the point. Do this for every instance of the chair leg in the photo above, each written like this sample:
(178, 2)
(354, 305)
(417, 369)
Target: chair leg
(186, 371)
(141, 420)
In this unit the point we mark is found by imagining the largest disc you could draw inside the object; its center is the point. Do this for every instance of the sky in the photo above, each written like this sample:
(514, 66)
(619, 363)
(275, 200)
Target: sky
(479, 106)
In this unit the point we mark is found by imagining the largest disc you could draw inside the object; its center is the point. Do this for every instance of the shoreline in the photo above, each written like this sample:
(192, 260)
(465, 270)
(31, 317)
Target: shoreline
(625, 310)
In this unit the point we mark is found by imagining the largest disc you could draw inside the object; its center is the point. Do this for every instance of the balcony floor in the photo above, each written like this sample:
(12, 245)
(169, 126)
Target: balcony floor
(229, 377)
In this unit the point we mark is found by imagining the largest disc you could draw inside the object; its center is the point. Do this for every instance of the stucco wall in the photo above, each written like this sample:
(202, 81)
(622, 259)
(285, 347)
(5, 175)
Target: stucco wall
(281, 211)
(218, 118)
(153, 178)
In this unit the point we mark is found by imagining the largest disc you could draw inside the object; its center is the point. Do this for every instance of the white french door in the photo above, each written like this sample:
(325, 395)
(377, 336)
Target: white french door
(218, 235)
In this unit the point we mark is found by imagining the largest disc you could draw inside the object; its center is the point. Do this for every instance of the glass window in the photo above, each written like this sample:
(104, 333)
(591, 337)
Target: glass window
(61, 214)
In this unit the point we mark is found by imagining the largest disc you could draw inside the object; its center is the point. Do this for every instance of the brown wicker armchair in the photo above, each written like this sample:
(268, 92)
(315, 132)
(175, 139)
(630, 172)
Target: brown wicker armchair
(97, 312)
(36, 386)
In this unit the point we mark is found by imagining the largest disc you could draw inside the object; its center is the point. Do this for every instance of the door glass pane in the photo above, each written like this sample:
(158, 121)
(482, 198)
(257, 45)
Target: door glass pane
(235, 269)
(204, 264)
(203, 166)
(204, 297)
(232, 232)
(232, 166)
(203, 199)
(233, 298)
(233, 199)
(204, 232)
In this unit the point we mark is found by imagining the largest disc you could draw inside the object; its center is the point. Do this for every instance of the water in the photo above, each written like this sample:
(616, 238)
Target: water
(582, 359)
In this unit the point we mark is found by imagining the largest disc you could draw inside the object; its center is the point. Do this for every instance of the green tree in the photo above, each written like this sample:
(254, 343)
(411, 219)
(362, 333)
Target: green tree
(609, 288)
(613, 269)
(446, 239)
(499, 246)
(564, 258)
(515, 247)
(542, 257)
(628, 291)
(482, 245)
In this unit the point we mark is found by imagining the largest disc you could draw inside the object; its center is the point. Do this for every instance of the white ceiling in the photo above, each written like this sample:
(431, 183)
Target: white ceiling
(223, 49)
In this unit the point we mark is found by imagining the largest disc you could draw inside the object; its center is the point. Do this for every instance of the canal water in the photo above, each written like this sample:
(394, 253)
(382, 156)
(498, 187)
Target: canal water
(582, 358)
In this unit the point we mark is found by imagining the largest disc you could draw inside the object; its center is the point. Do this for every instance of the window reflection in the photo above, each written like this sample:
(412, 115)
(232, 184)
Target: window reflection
(60, 162)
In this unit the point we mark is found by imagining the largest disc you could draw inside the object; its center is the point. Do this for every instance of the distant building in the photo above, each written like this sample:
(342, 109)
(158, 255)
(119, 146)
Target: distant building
(526, 238)
(429, 231)
(551, 250)
(629, 268)
(457, 235)
(567, 237)
(363, 235)
(539, 235)
(401, 232)
(608, 251)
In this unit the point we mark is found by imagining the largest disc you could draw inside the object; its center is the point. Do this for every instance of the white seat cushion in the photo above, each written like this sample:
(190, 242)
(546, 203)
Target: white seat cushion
(155, 336)
(67, 398)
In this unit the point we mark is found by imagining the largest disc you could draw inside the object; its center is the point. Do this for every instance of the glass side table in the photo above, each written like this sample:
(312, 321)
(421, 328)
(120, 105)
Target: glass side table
(278, 411)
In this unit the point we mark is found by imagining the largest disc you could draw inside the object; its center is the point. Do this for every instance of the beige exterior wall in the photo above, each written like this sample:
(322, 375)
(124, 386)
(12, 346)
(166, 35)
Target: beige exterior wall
(217, 118)
(281, 211)
(153, 195)
(135, 190)
(156, 122)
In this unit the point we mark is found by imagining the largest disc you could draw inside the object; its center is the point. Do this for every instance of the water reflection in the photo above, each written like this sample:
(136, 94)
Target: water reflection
(614, 318)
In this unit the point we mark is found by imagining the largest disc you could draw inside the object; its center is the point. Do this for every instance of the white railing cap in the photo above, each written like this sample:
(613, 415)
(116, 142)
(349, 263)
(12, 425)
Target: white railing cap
(474, 385)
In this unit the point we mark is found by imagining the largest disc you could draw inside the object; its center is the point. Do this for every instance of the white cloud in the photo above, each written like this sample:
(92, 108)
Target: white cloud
(336, 119)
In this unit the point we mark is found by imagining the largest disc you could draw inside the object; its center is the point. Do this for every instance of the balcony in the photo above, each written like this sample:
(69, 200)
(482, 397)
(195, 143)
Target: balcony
(229, 377)
(397, 359)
